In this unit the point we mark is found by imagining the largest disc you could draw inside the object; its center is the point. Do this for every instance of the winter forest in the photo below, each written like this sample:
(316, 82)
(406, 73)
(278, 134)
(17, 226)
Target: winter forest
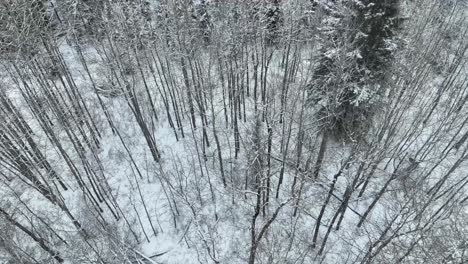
(233, 131)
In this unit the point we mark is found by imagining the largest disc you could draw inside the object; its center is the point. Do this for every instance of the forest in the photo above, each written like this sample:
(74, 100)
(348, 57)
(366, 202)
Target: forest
(233, 131)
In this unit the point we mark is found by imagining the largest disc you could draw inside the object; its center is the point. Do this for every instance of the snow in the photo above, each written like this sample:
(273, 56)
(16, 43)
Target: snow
(177, 210)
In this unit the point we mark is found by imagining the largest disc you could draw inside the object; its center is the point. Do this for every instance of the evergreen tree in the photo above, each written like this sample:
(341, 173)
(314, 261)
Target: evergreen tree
(377, 21)
(357, 50)
(273, 21)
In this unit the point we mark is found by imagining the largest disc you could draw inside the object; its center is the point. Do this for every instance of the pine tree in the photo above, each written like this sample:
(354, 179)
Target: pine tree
(349, 78)
(273, 21)
(377, 21)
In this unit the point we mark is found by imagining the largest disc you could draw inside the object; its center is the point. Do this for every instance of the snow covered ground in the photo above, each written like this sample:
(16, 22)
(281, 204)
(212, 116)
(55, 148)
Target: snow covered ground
(101, 162)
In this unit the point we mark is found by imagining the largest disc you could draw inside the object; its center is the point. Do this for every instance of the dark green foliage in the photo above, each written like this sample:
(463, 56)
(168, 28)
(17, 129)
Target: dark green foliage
(349, 79)
(273, 21)
(377, 21)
